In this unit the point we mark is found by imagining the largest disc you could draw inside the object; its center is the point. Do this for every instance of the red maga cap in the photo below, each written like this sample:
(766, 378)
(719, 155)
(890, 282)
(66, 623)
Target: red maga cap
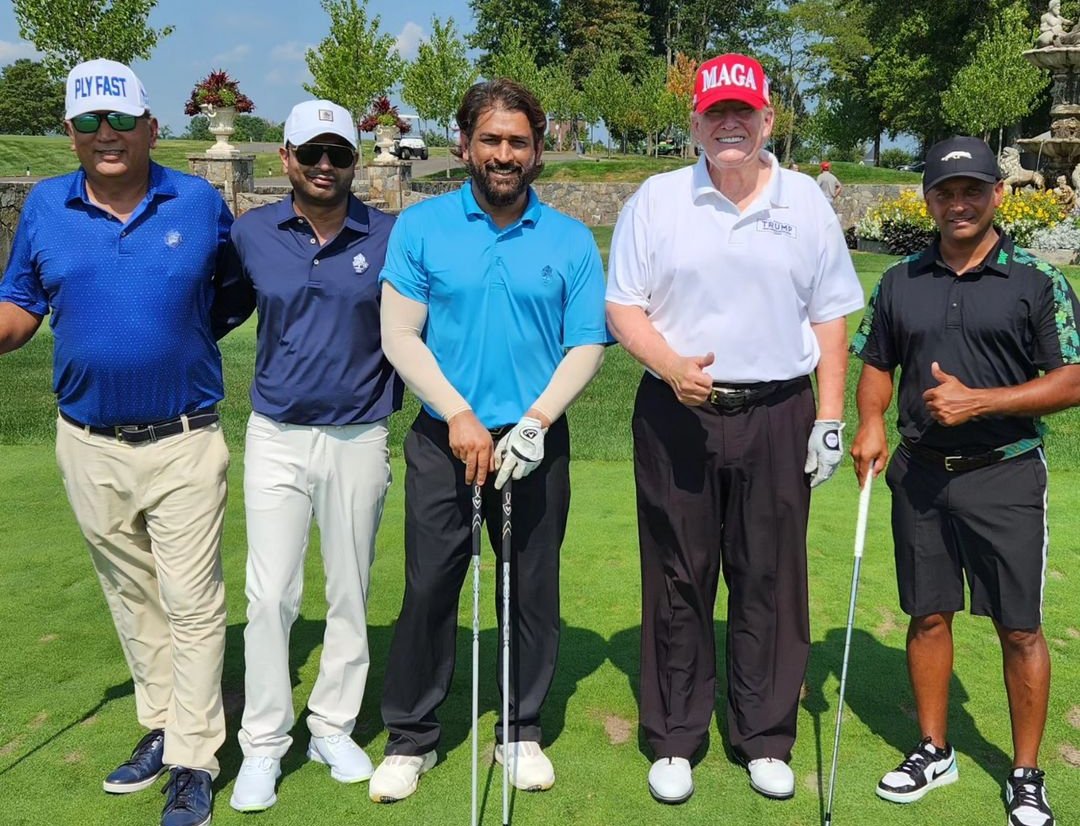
(730, 77)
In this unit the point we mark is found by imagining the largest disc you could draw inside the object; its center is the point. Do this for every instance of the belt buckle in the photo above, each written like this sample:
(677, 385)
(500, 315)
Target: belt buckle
(728, 399)
(130, 430)
(948, 463)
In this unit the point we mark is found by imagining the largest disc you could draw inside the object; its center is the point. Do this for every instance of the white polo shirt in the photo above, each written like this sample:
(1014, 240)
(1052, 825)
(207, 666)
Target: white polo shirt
(745, 286)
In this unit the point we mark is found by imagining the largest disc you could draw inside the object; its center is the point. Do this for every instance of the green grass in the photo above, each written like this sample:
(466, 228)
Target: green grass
(53, 156)
(68, 712)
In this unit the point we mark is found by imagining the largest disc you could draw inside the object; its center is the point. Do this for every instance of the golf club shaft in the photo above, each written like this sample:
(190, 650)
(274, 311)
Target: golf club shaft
(506, 549)
(860, 542)
(477, 520)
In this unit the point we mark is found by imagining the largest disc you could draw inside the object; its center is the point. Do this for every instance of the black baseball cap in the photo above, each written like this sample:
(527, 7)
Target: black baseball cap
(960, 157)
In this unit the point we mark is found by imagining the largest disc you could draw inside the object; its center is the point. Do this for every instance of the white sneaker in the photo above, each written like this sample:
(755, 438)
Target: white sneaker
(347, 761)
(924, 768)
(530, 769)
(254, 789)
(771, 777)
(670, 780)
(398, 775)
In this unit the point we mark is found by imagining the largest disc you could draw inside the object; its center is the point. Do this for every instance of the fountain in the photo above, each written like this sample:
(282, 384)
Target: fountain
(1059, 54)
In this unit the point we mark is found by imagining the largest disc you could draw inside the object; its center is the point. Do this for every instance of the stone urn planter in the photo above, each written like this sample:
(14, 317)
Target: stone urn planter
(384, 142)
(222, 125)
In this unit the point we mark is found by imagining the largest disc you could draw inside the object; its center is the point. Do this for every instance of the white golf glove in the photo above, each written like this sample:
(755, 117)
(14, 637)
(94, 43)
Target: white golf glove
(520, 451)
(824, 450)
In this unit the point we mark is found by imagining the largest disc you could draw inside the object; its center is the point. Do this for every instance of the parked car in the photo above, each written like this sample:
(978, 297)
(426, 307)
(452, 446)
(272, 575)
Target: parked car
(912, 167)
(410, 146)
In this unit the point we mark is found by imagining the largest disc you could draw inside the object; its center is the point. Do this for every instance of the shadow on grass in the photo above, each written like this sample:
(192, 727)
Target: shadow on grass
(879, 694)
(624, 651)
(582, 652)
(116, 692)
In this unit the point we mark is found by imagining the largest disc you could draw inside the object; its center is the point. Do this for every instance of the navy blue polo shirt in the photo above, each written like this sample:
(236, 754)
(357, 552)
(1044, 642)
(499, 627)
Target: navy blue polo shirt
(998, 325)
(129, 302)
(319, 359)
(504, 305)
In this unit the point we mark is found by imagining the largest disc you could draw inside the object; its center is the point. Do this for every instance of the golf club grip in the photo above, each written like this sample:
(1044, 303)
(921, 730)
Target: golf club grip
(864, 512)
(477, 518)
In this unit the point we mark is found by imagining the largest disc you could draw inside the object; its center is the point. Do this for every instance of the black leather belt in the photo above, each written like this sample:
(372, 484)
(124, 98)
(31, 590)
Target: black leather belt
(959, 463)
(134, 434)
(735, 397)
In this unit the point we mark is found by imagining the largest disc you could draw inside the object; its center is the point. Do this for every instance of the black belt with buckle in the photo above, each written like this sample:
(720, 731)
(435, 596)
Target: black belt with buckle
(959, 463)
(134, 434)
(735, 397)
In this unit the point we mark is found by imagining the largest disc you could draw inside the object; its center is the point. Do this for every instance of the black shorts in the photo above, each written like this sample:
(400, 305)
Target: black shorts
(988, 524)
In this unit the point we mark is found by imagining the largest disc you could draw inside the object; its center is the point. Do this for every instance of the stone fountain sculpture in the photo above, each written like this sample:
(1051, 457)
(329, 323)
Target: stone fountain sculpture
(1058, 52)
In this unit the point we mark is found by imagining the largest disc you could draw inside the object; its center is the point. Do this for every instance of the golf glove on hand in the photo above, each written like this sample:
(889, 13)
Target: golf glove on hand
(520, 451)
(823, 451)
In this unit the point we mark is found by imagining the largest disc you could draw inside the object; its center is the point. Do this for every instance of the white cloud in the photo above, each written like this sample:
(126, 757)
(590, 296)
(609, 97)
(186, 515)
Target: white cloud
(408, 40)
(10, 52)
(234, 55)
(292, 51)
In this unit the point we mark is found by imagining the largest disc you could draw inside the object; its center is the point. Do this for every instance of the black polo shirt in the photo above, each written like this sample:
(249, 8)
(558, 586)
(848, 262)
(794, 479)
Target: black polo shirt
(996, 326)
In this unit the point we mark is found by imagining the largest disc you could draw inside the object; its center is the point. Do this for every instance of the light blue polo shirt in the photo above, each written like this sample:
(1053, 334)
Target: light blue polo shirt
(503, 305)
(129, 302)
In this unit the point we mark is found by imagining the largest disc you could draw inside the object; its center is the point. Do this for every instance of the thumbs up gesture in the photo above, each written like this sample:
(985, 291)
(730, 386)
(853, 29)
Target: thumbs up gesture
(951, 402)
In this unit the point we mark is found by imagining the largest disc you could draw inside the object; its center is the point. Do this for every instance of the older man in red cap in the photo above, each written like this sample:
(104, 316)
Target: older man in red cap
(729, 281)
(829, 183)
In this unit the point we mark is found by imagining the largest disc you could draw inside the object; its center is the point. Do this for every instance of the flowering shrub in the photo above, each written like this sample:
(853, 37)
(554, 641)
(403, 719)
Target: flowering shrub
(1029, 210)
(1064, 236)
(219, 90)
(900, 223)
(383, 114)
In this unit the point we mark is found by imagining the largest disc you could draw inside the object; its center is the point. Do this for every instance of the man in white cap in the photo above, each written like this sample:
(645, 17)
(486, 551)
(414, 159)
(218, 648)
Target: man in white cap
(124, 254)
(729, 281)
(316, 441)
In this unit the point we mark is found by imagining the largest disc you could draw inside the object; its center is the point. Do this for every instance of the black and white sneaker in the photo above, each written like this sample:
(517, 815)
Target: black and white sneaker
(926, 767)
(1025, 795)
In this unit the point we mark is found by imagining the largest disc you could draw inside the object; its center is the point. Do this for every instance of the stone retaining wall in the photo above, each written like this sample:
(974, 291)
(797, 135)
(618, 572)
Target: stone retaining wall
(855, 199)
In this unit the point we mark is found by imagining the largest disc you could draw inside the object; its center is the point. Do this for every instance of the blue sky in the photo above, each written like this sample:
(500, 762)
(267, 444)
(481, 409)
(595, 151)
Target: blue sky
(259, 42)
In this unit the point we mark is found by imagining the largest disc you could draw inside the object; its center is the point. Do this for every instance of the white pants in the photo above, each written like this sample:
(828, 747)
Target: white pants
(340, 474)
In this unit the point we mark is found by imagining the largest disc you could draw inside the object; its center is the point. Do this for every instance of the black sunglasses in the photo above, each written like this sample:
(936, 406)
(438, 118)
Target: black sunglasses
(90, 122)
(310, 154)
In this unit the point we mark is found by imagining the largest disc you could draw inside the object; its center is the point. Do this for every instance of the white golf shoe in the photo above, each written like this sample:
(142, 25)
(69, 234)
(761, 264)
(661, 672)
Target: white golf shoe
(771, 777)
(254, 789)
(530, 769)
(671, 780)
(347, 761)
(398, 775)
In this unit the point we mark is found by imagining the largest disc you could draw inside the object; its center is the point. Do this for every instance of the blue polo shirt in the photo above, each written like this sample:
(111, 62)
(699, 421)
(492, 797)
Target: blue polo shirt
(129, 302)
(503, 304)
(319, 358)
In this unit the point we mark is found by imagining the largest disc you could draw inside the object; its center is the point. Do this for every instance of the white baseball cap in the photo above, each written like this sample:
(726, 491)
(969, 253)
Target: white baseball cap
(104, 86)
(312, 118)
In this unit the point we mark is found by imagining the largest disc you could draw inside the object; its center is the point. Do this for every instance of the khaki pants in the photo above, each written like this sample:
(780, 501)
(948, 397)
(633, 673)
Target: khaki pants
(291, 472)
(152, 516)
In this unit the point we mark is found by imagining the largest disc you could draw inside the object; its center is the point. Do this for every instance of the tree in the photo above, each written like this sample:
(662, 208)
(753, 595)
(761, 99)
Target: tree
(998, 86)
(355, 63)
(516, 60)
(260, 130)
(198, 129)
(435, 83)
(591, 29)
(560, 98)
(610, 94)
(701, 28)
(72, 31)
(498, 22)
(31, 102)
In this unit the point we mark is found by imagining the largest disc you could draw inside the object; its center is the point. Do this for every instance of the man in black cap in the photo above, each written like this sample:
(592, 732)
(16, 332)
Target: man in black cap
(985, 337)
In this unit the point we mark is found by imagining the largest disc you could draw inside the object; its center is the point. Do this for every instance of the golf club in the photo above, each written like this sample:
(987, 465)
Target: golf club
(477, 520)
(860, 540)
(506, 509)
